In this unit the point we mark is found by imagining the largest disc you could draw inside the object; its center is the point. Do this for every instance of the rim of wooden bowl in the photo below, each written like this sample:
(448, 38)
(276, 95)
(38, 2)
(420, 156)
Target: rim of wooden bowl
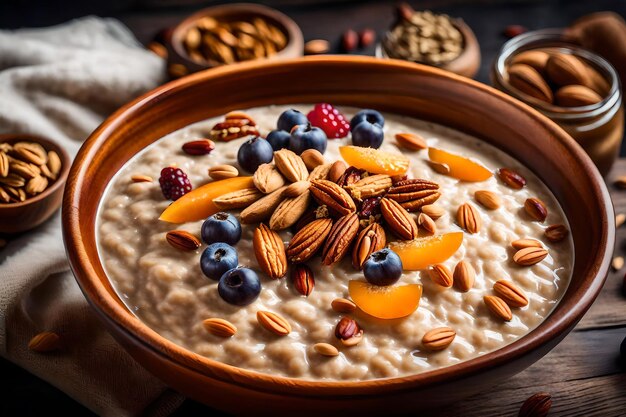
(108, 305)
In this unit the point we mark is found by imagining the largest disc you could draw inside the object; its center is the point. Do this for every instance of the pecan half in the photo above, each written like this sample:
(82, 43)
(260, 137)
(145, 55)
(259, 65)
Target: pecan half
(370, 186)
(498, 307)
(370, 240)
(341, 236)
(333, 196)
(399, 220)
(182, 240)
(234, 127)
(269, 251)
(308, 240)
(414, 193)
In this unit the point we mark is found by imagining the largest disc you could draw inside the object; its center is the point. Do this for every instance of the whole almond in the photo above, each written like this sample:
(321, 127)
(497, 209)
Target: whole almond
(4, 164)
(182, 240)
(262, 209)
(238, 199)
(140, 178)
(290, 165)
(269, 251)
(510, 293)
(312, 158)
(576, 96)
(439, 167)
(303, 279)
(556, 232)
(599, 84)
(289, 211)
(535, 59)
(45, 342)
(511, 178)
(498, 307)
(273, 322)
(339, 239)
(527, 80)
(441, 275)
(325, 349)
(536, 209)
(333, 196)
(370, 239)
(433, 211)
(198, 147)
(427, 223)
(267, 178)
(305, 243)
(438, 339)
(297, 188)
(566, 69)
(219, 327)
(343, 305)
(530, 256)
(336, 171)
(30, 152)
(488, 199)
(320, 172)
(464, 276)
(468, 218)
(526, 243)
(36, 185)
(398, 219)
(316, 47)
(221, 172)
(411, 141)
(537, 405)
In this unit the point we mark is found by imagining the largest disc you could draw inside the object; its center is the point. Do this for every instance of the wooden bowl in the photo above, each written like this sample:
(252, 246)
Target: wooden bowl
(231, 12)
(388, 85)
(30, 213)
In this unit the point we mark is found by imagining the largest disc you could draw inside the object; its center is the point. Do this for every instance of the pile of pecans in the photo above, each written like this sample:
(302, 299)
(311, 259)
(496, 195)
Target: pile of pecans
(423, 37)
(26, 169)
(210, 40)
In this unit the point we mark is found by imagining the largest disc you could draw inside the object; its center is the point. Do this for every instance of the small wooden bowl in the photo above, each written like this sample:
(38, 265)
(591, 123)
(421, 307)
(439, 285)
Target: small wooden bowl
(30, 213)
(466, 64)
(177, 54)
(388, 85)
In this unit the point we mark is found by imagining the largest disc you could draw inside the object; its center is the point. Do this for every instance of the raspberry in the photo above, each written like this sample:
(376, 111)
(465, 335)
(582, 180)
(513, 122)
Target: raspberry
(330, 120)
(174, 183)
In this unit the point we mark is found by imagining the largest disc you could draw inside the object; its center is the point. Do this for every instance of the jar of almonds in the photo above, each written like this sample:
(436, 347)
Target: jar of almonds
(576, 88)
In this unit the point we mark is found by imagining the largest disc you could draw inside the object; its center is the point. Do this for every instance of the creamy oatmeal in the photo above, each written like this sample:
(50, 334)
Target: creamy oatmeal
(166, 289)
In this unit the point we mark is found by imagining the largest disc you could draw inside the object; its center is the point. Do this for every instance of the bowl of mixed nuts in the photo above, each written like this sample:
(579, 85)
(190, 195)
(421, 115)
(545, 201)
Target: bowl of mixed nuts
(232, 33)
(33, 171)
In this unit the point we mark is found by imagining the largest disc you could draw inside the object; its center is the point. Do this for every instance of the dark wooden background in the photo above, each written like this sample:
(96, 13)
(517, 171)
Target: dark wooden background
(583, 373)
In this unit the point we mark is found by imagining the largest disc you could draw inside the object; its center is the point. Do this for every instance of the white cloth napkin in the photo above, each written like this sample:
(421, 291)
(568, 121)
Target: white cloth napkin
(61, 82)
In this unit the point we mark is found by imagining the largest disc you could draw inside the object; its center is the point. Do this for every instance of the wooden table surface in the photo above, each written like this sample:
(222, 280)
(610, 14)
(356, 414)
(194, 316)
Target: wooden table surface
(583, 373)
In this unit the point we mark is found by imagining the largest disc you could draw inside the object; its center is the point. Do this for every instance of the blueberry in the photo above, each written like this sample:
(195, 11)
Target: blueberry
(368, 135)
(221, 227)
(306, 137)
(383, 267)
(369, 115)
(290, 118)
(254, 152)
(218, 258)
(279, 139)
(239, 286)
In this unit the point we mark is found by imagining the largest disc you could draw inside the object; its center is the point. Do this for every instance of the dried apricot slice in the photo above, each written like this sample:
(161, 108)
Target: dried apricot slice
(422, 252)
(374, 160)
(390, 302)
(198, 204)
(460, 167)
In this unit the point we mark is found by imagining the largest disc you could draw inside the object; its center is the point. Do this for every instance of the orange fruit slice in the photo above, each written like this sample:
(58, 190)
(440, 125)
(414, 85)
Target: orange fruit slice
(460, 167)
(422, 252)
(198, 204)
(375, 161)
(390, 302)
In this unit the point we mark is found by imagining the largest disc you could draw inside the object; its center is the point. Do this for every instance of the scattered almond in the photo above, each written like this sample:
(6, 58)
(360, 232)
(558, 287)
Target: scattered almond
(411, 141)
(343, 305)
(530, 256)
(320, 172)
(238, 199)
(312, 158)
(566, 69)
(45, 342)
(182, 240)
(141, 178)
(464, 276)
(427, 223)
(576, 96)
(433, 211)
(219, 327)
(537, 405)
(325, 349)
(510, 293)
(303, 279)
(438, 339)
(617, 263)
(527, 80)
(536, 209)
(526, 243)
(262, 209)
(222, 172)
(439, 168)
(468, 218)
(498, 307)
(511, 178)
(336, 171)
(316, 47)
(556, 232)
(199, 147)
(273, 322)
(488, 199)
(441, 275)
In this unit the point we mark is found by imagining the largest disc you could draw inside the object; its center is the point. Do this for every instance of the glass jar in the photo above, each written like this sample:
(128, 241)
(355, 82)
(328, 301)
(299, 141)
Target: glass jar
(599, 127)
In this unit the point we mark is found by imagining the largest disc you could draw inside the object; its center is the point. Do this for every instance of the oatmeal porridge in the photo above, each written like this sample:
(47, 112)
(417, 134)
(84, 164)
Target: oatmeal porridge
(353, 271)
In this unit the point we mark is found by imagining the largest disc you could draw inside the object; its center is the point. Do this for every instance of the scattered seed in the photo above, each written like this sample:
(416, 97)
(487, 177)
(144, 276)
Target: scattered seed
(617, 263)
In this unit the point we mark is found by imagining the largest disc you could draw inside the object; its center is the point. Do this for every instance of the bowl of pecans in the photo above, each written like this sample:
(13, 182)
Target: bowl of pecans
(232, 33)
(33, 171)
